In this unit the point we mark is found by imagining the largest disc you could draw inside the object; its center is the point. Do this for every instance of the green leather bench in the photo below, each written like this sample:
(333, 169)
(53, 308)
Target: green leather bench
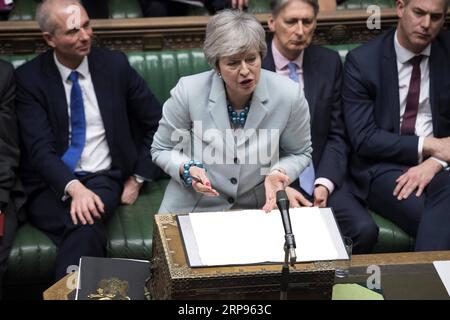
(363, 4)
(120, 9)
(130, 230)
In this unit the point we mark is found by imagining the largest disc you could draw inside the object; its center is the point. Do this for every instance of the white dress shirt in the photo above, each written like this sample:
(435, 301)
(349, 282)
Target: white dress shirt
(424, 121)
(96, 154)
(281, 67)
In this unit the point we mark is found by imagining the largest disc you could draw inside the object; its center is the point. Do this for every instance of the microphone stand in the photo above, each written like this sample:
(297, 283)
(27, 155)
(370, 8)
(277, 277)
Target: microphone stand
(289, 258)
(289, 244)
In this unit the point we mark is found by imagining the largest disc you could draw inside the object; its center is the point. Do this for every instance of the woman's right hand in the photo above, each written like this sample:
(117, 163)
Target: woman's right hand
(201, 183)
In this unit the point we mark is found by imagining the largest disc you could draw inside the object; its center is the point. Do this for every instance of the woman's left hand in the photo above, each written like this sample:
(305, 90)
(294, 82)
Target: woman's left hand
(274, 182)
(201, 183)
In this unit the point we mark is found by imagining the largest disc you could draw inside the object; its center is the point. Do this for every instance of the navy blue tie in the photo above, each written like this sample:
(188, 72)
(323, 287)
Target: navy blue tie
(307, 177)
(78, 124)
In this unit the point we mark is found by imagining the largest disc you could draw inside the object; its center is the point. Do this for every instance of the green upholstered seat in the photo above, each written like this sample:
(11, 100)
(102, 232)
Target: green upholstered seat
(120, 9)
(23, 10)
(363, 4)
(162, 69)
(259, 6)
(17, 60)
(342, 49)
(130, 230)
(32, 257)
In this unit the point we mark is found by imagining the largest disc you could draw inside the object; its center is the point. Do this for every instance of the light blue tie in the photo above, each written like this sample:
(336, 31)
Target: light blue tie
(78, 124)
(307, 177)
(293, 71)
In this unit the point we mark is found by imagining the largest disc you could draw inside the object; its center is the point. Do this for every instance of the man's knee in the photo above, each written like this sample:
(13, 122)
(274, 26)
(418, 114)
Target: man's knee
(439, 187)
(366, 236)
(88, 235)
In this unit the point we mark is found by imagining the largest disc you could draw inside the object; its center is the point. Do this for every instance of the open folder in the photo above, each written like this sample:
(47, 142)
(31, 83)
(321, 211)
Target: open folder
(255, 237)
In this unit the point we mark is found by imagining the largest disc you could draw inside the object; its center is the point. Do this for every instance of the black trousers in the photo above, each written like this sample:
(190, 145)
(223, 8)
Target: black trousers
(51, 215)
(354, 219)
(6, 241)
(426, 217)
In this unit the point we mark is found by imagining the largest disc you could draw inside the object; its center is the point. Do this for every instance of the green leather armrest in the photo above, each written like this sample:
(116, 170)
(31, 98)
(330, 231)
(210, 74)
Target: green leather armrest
(32, 257)
(390, 237)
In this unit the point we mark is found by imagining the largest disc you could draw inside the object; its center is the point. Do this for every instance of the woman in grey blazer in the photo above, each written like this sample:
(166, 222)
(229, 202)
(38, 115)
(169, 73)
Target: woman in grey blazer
(233, 136)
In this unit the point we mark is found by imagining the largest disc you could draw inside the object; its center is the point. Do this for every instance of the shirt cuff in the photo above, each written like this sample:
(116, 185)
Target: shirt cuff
(442, 163)
(420, 149)
(326, 183)
(142, 178)
(66, 195)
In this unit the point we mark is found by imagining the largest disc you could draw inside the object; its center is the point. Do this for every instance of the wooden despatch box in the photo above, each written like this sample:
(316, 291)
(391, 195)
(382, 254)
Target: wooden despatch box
(172, 278)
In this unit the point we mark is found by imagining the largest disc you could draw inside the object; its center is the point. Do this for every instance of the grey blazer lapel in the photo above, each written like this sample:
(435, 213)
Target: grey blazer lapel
(217, 108)
(217, 104)
(258, 109)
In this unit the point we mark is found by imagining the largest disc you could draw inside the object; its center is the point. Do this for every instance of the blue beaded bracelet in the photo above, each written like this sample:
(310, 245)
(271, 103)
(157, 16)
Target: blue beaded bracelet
(186, 176)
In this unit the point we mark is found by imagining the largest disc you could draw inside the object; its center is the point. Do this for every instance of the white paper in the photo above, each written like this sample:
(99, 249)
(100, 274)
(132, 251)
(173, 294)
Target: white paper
(253, 236)
(443, 269)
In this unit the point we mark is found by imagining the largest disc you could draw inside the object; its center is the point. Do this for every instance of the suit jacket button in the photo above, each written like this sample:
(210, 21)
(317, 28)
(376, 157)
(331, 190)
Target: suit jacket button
(230, 200)
(233, 180)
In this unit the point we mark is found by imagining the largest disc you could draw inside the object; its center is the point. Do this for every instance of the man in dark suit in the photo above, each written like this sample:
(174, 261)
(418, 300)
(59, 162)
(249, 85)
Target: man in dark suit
(396, 97)
(319, 71)
(12, 196)
(80, 110)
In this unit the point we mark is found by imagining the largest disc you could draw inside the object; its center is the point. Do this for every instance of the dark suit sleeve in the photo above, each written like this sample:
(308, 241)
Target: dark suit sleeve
(145, 113)
(368, 139)
(333, 163)
(37, 134)
(9, 140)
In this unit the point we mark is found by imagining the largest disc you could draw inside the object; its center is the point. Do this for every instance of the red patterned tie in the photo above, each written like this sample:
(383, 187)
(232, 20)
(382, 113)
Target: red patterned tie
(412, 100)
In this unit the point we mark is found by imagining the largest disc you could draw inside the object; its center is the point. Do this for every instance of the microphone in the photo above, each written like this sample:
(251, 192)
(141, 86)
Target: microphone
(283, 206)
